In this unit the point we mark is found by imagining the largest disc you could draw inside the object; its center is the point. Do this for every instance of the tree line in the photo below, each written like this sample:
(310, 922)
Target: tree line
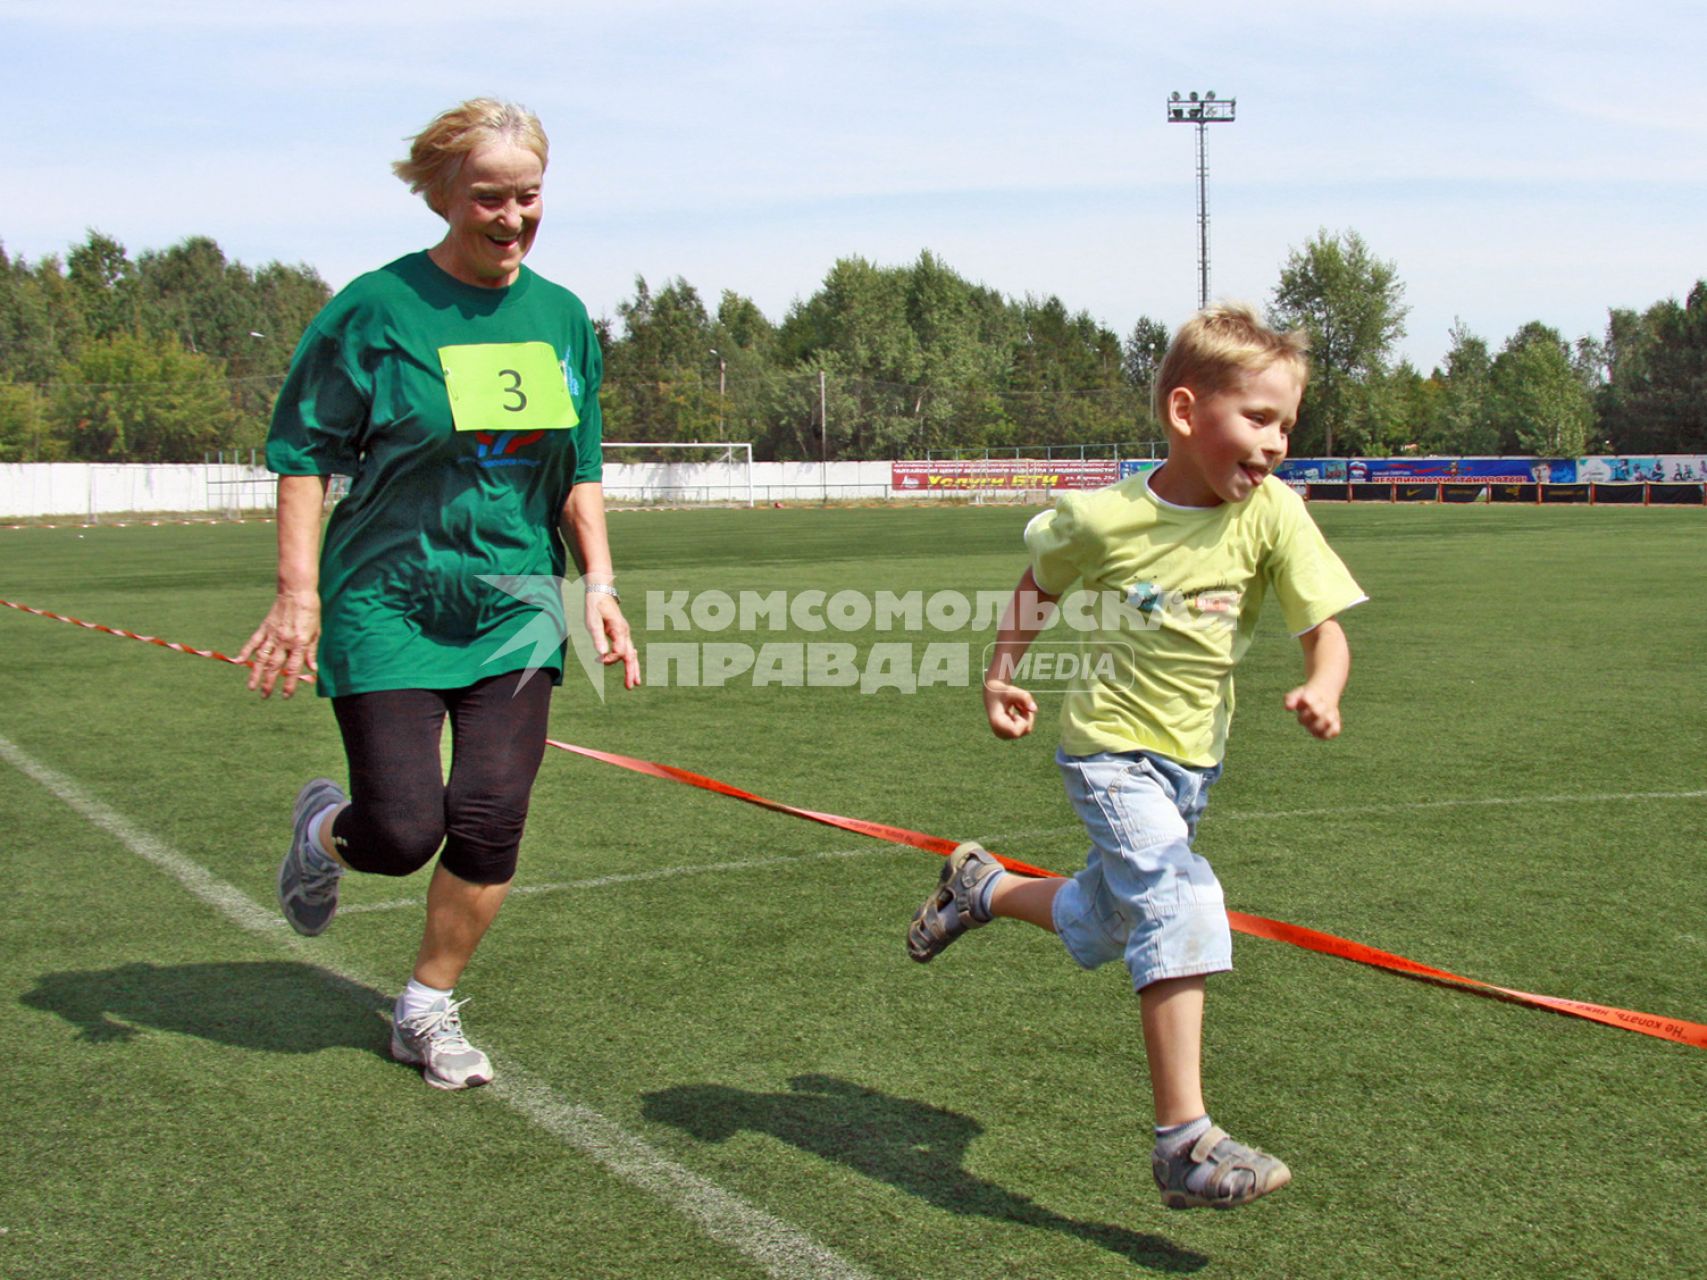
(179, 352)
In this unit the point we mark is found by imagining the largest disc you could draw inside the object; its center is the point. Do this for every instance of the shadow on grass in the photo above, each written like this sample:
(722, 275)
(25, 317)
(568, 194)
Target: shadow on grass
(276, 1006)
(913, 1146)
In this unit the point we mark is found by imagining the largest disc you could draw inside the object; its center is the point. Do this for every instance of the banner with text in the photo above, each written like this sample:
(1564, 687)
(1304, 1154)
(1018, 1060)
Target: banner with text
(957, 475)
(1649, 469)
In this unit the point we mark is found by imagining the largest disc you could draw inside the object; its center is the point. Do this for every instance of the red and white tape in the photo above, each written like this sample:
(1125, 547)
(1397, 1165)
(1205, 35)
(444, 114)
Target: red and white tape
(1663, 1028)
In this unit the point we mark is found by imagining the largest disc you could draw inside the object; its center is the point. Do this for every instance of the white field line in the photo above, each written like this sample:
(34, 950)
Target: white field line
(781, 1250)
(1000, 843)
(633, 877)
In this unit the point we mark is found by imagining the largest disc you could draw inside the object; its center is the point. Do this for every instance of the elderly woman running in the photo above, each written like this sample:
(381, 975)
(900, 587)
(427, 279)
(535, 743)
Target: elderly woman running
(459, 390)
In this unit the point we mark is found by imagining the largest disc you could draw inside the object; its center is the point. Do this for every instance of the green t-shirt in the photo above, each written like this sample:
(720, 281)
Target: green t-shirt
(463, 416)
(1168, 603)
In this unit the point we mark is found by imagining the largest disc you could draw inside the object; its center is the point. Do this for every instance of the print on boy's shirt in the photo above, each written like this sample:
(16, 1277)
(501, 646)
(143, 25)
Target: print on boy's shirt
(1192, 607)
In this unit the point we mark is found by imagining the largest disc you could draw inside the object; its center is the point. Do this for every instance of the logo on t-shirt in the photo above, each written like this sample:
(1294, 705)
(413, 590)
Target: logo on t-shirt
(499, 448)
(1193, 608)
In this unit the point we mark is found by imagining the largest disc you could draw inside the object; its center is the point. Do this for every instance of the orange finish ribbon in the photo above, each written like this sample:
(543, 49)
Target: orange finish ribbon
(1690, 1033)
(1674, 1029)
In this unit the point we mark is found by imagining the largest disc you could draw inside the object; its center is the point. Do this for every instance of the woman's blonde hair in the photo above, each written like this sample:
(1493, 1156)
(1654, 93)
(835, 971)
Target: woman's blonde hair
(437, 152)
(1220, 343)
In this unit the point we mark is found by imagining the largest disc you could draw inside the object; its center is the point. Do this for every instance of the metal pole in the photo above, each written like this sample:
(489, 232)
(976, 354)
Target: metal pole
(1202, 215)
(824, 437)
(1201, 110)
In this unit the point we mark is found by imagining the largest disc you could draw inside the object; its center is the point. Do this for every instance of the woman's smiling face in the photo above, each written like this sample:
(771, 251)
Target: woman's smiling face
(493, 207)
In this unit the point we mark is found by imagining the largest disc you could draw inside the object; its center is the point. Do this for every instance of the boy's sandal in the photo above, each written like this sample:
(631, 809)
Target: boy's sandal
(962, 876)
(1225, 1188)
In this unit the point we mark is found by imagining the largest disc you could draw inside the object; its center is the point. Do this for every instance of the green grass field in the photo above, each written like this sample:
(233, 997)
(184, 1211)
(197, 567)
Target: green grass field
(714, 1057)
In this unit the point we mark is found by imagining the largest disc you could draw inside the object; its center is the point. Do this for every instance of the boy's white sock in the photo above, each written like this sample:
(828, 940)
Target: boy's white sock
(1174, 1136)
(980, 905)
(416, 999)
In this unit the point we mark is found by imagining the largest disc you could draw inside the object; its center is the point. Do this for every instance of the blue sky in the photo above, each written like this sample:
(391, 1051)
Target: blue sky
(1515, 161)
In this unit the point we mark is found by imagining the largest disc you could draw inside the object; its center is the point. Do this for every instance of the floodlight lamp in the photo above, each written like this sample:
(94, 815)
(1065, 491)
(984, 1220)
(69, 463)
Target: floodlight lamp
(1174, 96)
(1210, 96)
(1194, 95)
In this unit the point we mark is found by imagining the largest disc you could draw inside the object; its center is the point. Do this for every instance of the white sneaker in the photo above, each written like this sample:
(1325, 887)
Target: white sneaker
(433, 1041)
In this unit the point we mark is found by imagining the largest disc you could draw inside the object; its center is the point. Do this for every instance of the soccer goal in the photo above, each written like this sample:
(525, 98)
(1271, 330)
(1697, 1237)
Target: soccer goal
(680, 472)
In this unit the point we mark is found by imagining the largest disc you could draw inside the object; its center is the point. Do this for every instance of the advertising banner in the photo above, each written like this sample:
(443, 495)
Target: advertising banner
(1427, 470)
(955, 475)
(1660, 469)
(1669, 468)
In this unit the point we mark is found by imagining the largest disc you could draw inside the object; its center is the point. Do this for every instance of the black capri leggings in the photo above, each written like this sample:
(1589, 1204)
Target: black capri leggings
(402, 809)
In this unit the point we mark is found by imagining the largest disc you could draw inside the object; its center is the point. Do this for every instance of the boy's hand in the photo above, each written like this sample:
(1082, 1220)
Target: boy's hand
(1012, 711)
(1316, 711)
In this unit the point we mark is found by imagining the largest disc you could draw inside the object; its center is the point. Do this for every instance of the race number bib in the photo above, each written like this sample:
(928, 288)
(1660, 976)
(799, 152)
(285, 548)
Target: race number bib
(507, 386)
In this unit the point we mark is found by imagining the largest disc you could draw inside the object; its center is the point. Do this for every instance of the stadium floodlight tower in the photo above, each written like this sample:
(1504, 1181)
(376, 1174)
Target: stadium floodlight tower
(1201, 111)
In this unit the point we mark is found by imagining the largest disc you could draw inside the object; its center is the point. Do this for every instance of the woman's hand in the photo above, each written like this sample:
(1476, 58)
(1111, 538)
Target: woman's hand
(611, 636)
(286, 643)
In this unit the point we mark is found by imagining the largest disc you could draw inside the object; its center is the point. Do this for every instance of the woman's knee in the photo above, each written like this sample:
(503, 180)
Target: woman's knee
(388, 841)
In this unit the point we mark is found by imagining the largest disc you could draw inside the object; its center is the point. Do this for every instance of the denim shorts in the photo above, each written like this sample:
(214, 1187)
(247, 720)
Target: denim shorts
(1144, 895)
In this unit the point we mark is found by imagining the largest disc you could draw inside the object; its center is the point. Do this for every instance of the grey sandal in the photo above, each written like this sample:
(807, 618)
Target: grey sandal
(963, 876)
(1238, 1174)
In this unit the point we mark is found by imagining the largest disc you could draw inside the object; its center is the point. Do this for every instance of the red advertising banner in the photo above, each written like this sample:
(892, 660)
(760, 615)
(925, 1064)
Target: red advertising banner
(953, 475)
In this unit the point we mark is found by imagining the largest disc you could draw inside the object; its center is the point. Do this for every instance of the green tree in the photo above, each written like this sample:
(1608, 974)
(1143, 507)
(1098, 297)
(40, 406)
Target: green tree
(655, 374)
(103, 280)
(135, 399)
(896, 345)
(1069, 382)
(1399, 410)
(192, 293)
(1655, 396)
(41, 325)
(1143, 351)
(855, 330)
(1350, 303)
(1540, 401)
(1465, 424)
(23, 419)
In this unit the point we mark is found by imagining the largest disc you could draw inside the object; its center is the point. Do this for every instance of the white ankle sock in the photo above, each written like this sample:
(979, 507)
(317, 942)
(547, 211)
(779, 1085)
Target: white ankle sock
(315, 845)
(417, 998)
(1175, 1136)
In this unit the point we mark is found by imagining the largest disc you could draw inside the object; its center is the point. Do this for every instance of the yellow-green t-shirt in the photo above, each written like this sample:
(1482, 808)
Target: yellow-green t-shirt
(1165, 600)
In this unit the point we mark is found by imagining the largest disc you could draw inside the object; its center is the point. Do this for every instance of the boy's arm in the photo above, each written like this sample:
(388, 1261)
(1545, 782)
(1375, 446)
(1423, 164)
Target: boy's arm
(1327, 666)
(1011, 710)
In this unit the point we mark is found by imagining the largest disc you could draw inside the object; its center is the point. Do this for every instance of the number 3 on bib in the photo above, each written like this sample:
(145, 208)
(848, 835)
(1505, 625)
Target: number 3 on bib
(507, 386)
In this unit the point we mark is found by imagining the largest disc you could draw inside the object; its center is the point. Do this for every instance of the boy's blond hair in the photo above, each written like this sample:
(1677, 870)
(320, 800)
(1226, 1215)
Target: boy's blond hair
(437, 152)
(1220, 343)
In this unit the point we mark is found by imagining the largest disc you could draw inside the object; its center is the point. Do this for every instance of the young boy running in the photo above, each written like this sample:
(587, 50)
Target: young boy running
(1172, 568)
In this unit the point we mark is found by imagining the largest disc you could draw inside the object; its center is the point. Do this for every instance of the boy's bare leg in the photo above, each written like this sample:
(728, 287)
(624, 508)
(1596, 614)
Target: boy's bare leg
(1173, 1042)
(1026, 898)
(1172, 1009)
